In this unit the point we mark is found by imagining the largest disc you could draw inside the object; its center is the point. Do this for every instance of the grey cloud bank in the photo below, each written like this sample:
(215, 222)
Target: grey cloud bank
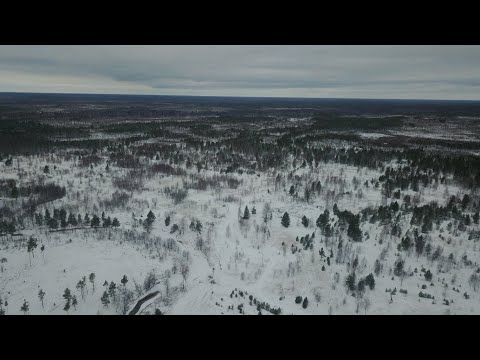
(401, 72)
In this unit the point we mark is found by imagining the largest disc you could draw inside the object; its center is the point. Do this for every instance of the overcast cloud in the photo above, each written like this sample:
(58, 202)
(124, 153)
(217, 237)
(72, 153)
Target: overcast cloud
(395, 72)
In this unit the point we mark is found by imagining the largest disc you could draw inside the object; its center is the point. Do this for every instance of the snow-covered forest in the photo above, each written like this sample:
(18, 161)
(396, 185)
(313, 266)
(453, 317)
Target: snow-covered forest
(185, 206)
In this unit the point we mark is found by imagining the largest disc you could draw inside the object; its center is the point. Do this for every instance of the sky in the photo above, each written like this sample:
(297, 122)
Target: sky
(380, 72)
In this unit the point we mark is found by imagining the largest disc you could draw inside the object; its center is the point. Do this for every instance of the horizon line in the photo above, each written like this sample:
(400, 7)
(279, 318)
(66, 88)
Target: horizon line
(234, 97)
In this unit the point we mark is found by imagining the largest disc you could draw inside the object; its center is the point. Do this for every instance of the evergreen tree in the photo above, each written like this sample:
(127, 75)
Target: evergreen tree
(361, 286)
(305, 303)
(350, 281)
(419, 244)
(405, 243)
(398, 270)
(286, 220)
(62, 215)
(72, 220)
(52, 223)
(67, 294)
(304, 221)
(254, 211)
(149, 220)
(323, 219)
(167, 221)
(370, 281)
(246, 213)
(95, 221)
(198, 227)
(428, 275)
(354, 229)
(115, 222)
(46, 169)
(292, 190)
(107, 222)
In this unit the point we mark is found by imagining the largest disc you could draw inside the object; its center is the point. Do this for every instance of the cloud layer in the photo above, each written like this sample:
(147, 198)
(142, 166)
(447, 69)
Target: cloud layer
(395, 72)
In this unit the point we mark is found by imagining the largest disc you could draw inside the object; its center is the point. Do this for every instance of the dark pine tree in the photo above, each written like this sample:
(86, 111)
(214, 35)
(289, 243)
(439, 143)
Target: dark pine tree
(95, 221)
(286, 220)
(246, 213)
(350, 281)
(354, 229)
(370, 281)
(428, 275)
(72, 220)
(304, 221)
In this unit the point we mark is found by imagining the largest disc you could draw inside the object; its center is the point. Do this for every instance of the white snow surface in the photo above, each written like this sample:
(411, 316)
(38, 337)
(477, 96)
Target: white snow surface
(241, 256)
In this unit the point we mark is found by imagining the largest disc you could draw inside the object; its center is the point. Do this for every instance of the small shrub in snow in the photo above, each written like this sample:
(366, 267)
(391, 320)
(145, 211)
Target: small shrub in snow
(305, 303)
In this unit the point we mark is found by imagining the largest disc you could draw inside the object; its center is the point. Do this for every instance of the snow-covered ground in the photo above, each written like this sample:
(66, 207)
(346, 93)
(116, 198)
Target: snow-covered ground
(230, 259)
